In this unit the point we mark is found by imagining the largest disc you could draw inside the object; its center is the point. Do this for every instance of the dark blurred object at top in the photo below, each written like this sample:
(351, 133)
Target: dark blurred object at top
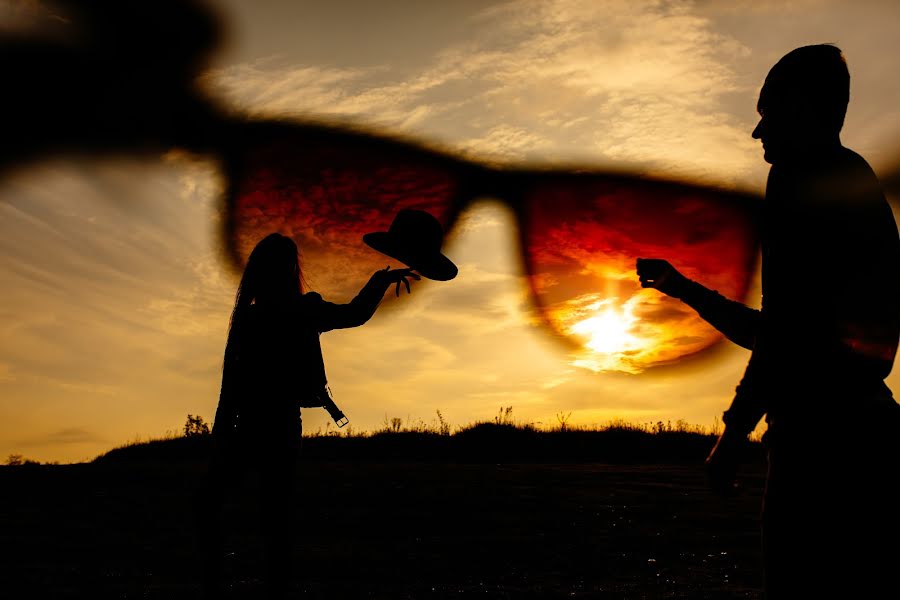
(104, 76)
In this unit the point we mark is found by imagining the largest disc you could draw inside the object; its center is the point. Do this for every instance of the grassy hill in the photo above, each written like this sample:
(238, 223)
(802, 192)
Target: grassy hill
(659, 443)
(497, 510)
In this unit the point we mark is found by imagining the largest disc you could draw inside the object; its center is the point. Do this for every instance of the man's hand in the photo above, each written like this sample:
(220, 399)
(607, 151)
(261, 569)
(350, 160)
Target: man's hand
(722, 463)
(661, 275)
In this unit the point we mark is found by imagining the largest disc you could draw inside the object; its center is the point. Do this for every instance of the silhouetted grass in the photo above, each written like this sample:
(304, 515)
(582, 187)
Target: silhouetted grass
(501, 440)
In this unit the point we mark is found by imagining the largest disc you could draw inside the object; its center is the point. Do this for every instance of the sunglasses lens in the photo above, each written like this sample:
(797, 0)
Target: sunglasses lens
(326, 189)
(583, 236)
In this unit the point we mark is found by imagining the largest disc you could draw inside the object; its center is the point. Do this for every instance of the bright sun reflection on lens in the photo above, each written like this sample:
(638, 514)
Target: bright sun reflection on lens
(617, 326)
(608, 330)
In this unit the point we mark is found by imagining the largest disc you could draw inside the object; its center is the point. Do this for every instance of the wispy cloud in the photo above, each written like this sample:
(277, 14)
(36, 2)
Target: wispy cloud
(65, 436)
(623, 83)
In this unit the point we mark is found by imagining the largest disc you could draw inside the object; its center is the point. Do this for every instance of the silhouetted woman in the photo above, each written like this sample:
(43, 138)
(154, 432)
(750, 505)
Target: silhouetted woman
(273, 364)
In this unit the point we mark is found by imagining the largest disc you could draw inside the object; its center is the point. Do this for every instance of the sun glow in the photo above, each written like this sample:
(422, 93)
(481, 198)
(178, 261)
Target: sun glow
(608, 330)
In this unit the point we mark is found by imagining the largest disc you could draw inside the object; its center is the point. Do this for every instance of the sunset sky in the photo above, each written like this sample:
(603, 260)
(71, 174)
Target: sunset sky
(117, 294)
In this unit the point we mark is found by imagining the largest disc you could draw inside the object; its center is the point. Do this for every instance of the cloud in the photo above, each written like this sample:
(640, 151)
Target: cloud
(506, 142)
(619, 83)
(276, 87)
(65, 436)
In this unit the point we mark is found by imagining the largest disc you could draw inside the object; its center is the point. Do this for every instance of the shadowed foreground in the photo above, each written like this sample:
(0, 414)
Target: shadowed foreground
(389, 528)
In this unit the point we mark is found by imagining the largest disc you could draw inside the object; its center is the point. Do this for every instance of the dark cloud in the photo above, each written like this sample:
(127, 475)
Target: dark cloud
(68, 435)
(662, 312)
(687, 340)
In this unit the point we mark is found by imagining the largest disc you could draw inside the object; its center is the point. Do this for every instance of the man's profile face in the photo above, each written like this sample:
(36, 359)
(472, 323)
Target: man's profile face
(773, 129)
(790, 125)
(761, 133)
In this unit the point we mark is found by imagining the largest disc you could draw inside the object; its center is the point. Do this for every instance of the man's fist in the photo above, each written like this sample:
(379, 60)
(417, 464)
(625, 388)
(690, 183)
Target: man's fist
(661, 275)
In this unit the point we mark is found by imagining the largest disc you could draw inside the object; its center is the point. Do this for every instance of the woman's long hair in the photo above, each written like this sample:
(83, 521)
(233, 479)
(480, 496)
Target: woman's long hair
(272, 276)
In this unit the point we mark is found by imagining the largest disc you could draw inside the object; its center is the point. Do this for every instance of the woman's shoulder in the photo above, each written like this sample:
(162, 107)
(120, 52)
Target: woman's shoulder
(310, 306)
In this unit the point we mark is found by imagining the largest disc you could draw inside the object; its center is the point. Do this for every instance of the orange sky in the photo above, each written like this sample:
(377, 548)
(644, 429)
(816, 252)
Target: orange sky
(116, 294)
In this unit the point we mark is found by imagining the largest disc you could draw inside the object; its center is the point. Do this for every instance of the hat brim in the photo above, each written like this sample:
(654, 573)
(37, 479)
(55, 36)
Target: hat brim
(431, 266)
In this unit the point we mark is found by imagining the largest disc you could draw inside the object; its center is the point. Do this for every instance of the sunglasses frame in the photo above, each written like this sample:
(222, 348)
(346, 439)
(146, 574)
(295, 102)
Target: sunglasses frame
(500, 183)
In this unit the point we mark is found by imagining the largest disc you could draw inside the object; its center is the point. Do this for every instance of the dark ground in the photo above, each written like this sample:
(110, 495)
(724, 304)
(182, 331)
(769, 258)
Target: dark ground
(390, 528)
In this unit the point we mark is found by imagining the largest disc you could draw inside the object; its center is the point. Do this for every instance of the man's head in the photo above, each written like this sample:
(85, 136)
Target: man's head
(803, 102)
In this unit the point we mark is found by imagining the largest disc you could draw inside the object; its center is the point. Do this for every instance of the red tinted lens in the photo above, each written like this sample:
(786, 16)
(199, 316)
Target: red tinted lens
(583, 235)
(326, 188)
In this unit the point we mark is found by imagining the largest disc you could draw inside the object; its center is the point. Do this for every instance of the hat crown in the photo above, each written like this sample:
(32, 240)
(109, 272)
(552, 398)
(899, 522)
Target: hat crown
(418, 229)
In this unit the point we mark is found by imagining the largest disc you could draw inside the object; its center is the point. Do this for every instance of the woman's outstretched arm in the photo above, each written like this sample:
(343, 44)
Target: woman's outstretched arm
(328, 315)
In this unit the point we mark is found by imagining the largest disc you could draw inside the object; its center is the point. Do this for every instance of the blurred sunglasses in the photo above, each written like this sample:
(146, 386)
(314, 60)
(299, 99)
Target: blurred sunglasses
(580, 231)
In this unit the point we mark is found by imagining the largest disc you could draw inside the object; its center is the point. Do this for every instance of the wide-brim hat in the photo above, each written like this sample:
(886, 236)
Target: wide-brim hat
(415, 238)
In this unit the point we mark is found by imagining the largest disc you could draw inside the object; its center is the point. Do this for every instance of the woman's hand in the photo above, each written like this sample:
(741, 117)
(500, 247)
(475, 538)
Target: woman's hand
(399, 276)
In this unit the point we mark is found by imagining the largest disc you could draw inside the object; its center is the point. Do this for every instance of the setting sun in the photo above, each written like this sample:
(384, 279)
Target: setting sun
(608, 331)
(629, 333)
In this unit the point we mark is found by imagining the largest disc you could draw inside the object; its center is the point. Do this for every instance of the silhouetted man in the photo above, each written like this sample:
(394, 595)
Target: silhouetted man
(823, 343)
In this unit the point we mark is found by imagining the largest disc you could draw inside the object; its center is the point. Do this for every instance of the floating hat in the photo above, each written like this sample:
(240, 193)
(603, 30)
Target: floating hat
(415, 239)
